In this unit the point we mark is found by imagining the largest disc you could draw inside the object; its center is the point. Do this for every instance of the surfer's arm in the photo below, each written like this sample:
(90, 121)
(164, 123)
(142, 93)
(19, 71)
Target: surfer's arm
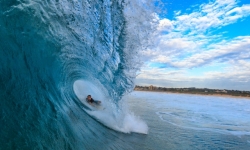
(96, 101)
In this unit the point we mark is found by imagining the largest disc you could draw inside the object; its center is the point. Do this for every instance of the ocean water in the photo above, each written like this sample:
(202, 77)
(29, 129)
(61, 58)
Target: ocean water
(182, 121)
(53, 53)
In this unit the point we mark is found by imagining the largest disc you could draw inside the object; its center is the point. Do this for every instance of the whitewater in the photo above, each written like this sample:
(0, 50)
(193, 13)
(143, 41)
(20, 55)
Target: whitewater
(53, 54)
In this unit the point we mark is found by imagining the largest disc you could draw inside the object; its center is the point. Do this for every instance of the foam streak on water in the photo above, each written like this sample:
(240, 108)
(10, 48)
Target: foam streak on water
(182, 121)
(204, 113)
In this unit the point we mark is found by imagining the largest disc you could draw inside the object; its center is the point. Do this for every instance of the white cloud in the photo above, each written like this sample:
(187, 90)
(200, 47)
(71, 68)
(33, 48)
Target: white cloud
(170, 51)
(177, 13)
(212, 15)
(239, 71)
(189, 43)
(162, 73)
(165, 25)
(237, 49)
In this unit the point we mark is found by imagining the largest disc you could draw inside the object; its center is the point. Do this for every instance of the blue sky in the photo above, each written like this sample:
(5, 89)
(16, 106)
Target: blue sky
(203, 44)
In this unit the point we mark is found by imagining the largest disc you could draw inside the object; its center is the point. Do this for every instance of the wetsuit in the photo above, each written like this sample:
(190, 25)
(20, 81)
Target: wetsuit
(90, 101)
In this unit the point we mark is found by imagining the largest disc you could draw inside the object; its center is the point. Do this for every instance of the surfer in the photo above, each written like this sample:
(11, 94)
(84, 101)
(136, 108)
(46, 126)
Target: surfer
(90, 100)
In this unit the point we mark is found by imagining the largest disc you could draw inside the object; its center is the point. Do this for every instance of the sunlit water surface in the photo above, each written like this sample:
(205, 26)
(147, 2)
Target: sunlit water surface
(191, 121)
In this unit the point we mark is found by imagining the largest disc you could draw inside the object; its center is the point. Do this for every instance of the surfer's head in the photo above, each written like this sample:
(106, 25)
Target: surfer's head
(89, 97)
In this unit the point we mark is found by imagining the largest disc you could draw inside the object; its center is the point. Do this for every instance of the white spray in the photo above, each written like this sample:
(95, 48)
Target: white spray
(119, 119)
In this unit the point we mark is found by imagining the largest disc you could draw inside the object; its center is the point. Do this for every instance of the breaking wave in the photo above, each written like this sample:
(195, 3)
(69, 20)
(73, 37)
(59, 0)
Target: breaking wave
(53, 54)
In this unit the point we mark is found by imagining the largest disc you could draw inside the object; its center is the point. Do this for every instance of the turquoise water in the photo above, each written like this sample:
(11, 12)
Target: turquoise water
(192, 122)
(53, 53)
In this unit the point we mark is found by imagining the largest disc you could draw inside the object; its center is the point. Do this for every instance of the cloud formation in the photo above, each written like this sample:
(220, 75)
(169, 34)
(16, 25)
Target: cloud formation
(212, 15)
(191, 40)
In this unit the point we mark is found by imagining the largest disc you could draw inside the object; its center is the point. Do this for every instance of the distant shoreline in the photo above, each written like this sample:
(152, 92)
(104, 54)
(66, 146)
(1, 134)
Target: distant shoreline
(214, 95)
(196, 91)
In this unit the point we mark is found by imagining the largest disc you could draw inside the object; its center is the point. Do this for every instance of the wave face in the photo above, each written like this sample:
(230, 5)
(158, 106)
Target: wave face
(48, 46)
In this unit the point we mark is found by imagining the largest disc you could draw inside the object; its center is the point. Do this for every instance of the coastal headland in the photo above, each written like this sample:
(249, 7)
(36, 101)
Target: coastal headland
(193, 90)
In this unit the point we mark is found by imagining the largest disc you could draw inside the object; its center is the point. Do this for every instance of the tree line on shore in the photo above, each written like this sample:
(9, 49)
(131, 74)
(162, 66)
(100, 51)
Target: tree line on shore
(193, 90)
